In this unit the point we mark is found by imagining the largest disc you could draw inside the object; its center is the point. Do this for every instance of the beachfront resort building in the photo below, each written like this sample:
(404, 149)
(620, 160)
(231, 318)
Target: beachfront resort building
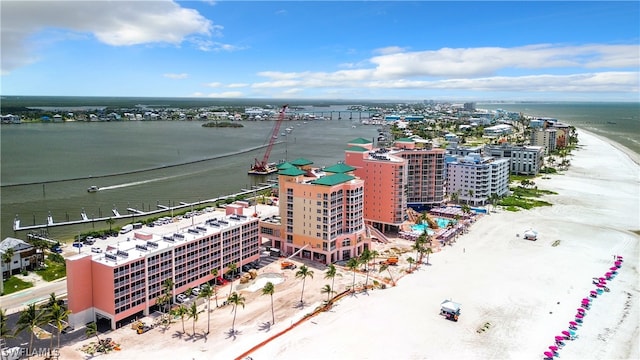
(545, 138)
(321, 213)
(124, 282)
(474, 178)
(410, 173)
(386, 182)
(524, 160)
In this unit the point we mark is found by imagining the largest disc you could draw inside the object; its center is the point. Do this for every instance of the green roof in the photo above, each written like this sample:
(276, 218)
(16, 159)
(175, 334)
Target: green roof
(301, 162)
(292, 171)
(405, 140)
(335, 179)
(339, 168)
(284, 165)
(356, 148)
(360, 141)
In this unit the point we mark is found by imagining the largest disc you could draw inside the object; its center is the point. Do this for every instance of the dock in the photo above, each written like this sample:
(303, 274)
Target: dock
(132, 212)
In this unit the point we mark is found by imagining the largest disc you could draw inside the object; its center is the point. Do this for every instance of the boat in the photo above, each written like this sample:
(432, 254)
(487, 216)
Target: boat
(93, 189)
(267, 170)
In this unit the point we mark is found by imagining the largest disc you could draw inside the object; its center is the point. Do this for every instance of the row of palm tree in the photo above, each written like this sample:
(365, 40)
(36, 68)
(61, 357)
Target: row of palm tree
(53, 313)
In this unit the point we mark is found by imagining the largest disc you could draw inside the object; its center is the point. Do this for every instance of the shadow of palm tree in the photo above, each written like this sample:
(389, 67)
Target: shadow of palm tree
(178, 334)
(232, 333)
(197, 336)
(299, 305)
(265, 326)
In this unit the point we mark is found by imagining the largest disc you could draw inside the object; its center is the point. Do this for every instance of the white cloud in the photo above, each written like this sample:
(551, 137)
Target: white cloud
(534, 68)
(118, 24)
(215, 84)
(227, 94)
(176, 76)
(237, 85)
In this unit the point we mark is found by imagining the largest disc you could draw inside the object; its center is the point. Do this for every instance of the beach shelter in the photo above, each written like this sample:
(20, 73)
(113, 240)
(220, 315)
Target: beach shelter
(566, 333)
(531, 235)
(548, 354)
(579, 316)
(450, 307)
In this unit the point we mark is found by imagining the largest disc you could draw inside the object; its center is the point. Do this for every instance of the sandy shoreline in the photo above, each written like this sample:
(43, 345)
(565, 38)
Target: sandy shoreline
(528, 291)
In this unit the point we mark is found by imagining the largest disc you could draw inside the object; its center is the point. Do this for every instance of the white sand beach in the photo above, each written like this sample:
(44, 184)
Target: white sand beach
(527, 290)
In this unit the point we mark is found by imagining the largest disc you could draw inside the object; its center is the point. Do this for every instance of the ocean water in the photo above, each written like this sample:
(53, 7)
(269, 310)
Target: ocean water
(619, 122)
(46, 168)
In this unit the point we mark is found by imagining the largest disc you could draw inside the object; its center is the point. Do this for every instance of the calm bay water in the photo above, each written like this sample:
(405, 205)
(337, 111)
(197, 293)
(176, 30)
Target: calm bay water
(36, 153)
(45, 166)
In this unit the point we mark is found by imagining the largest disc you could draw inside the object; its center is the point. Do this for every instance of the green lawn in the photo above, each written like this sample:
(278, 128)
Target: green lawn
(14, 284)
(53, 271)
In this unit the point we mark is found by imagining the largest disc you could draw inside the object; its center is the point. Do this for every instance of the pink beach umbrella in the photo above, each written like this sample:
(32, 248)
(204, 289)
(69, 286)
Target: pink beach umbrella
(566, 333)
(579, 316)
(573, 323)
(559, 338)
(587, 300)
(553, 348)
(613, 268)
(601, 285)
(548, 354)
(608, 274)
(619, 257)
(581, 310)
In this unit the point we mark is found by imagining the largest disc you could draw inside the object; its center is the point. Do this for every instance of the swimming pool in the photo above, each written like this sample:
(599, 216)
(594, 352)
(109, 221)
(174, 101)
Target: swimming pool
(442, 223)
(261, 280)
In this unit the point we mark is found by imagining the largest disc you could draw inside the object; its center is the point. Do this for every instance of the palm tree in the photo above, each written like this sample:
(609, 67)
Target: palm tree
(384, 267)
(410, 260)
(206, 293)
(192, 313)
(91, 330)
(110, 221)
(5, 259)
(4, 328)
(214, 272)
(428, 251)
(331, 273)
(352, 265)
(327, 290)
(167, 288)
(181, 311)
(374, 256)
(58, 316)
(231, 270)
(303, 273)
(235, 299)
(365, 258)
(30, 318)
(269, 289)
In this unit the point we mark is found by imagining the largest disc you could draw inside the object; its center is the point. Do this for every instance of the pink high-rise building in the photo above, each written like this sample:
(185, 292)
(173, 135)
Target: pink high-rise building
(408, 174)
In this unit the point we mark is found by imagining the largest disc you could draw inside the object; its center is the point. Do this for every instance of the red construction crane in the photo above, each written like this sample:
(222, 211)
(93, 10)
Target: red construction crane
(263, 167)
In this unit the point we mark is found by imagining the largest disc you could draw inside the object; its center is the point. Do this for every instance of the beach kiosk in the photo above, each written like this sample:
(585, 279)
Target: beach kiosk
(450, 310)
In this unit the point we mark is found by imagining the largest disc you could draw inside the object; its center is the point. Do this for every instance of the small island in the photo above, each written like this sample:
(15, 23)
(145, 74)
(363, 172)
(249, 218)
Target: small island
(223, 124)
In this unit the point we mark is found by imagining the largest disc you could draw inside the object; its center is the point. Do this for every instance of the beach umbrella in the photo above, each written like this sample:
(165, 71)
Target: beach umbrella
(559, 338)
(581, 310)
(573, 333)
(613, 268)
(619, 257)
(573, 323)
(553, 348)
(566, 333)
(579, 316)
(601, 285)
(548, 354)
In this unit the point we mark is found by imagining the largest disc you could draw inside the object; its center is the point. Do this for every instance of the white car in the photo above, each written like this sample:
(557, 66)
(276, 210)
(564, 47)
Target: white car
(96, 250)
(195, 291)
(181, 298)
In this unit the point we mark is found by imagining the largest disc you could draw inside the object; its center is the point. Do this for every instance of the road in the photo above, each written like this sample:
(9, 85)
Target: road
(17, 301)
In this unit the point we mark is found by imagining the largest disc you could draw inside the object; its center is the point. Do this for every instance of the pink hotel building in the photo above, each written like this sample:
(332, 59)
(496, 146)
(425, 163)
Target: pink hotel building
(124, 282)
(408, 174)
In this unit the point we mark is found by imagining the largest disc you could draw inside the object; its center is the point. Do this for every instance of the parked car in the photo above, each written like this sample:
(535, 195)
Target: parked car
(181, 298)
(195, 291)
(96, 250)
(89, 240)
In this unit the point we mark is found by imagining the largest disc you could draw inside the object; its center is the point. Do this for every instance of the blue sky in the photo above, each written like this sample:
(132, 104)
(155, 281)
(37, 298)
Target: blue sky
(373, 50)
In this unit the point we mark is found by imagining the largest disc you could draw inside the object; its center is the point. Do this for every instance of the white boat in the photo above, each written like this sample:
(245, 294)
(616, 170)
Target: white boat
(92, 189)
